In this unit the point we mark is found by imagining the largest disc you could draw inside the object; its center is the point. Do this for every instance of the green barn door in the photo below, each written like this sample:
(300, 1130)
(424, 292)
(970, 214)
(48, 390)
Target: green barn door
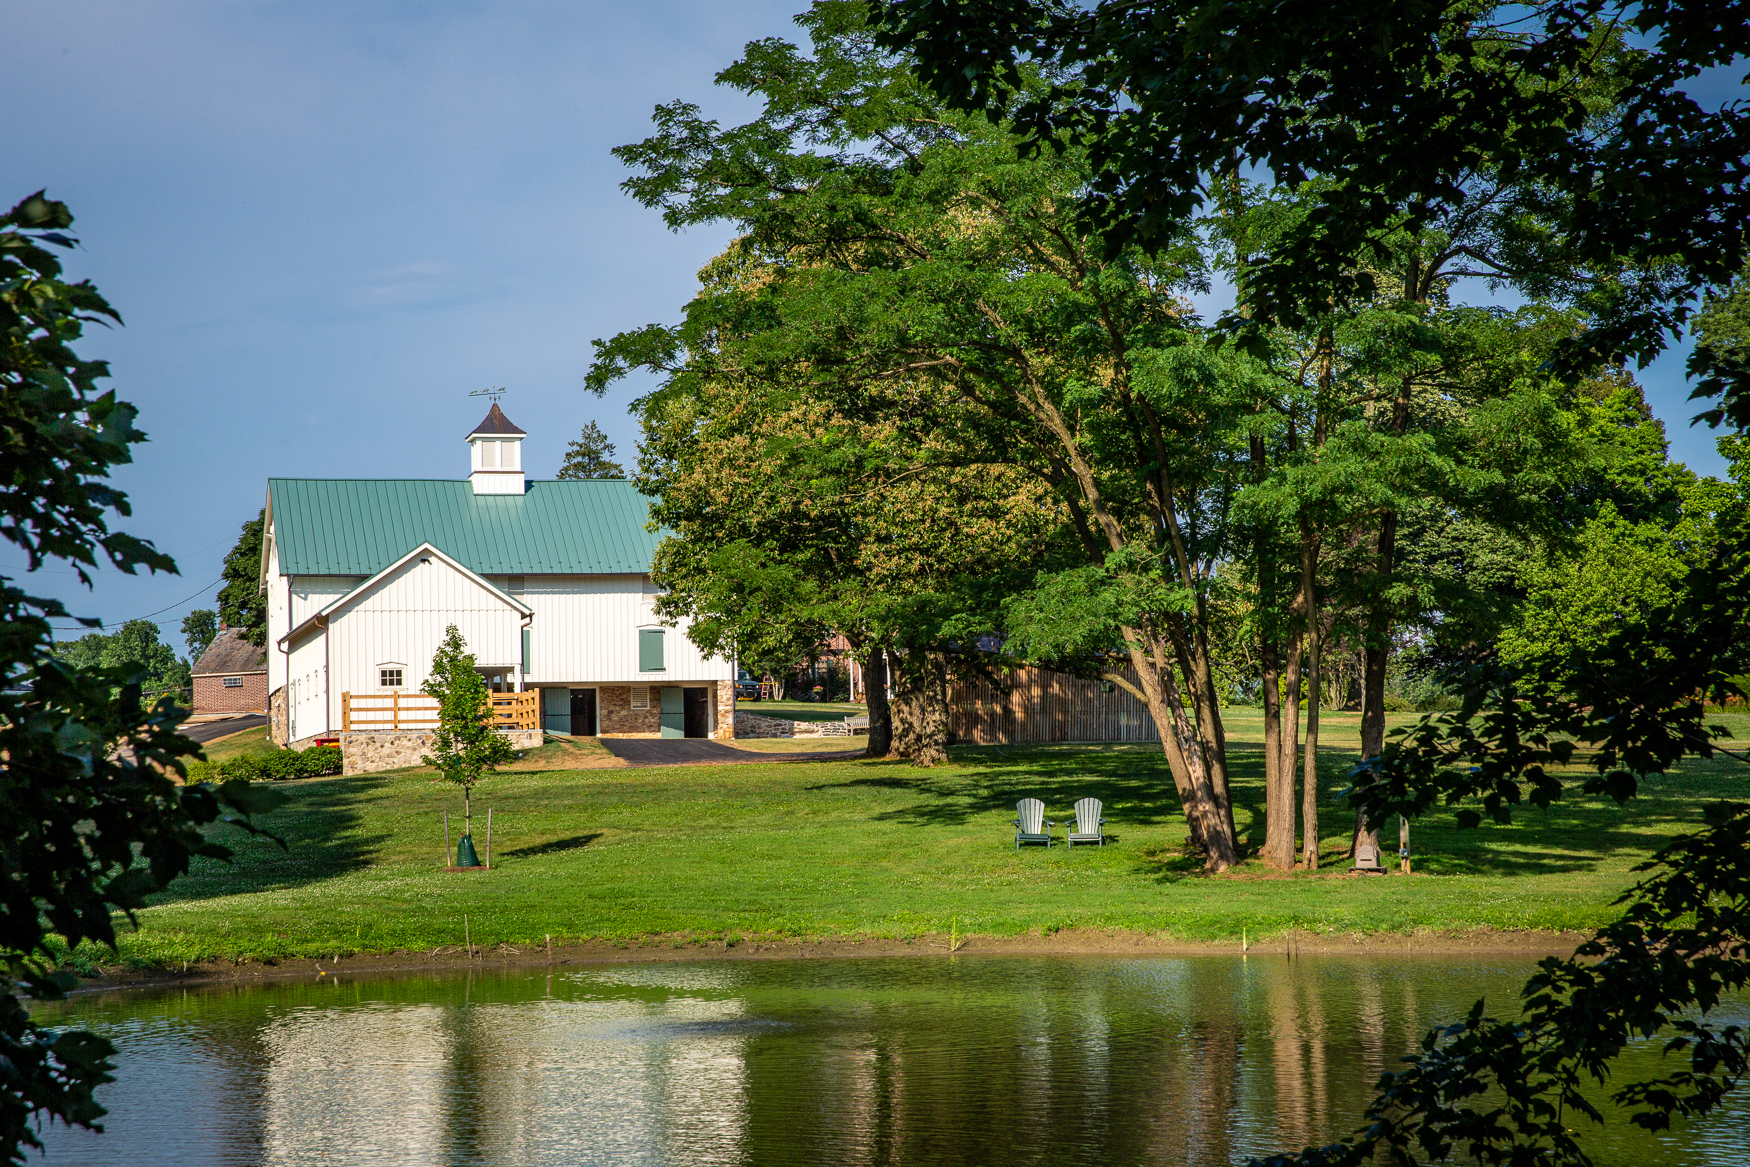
(674, 713)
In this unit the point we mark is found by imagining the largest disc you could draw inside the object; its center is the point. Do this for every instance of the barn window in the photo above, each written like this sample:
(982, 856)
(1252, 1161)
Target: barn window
(650, 650)
(641, 698)
(389, 678)
(233, 682)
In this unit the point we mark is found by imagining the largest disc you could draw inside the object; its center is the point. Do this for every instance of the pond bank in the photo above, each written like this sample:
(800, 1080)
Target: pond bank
(668, 949)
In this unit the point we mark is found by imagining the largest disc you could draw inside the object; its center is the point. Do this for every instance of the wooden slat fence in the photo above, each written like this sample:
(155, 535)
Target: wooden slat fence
(1044, 706)
(395, 712)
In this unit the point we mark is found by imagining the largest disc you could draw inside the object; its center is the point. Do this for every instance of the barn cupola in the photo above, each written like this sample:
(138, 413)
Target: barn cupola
(495, 455)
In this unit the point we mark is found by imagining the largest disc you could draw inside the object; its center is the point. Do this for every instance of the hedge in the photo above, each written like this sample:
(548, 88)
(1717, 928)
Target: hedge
(278, 766)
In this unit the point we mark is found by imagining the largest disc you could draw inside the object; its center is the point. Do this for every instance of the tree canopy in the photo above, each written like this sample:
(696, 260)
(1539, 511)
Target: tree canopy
(92, 819)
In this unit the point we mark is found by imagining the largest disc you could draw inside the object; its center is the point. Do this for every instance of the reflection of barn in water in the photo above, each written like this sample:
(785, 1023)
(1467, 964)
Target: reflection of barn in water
(1039, 705)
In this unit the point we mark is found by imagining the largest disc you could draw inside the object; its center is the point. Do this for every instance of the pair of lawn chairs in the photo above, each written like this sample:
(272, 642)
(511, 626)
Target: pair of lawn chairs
(1031, 825)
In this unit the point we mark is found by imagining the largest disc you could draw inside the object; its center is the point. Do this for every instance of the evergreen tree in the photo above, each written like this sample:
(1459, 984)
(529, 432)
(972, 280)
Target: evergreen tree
(590, 456)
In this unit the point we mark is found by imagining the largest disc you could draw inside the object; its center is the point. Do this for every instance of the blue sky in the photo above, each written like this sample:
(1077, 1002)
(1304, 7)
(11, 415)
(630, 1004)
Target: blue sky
(325, 224)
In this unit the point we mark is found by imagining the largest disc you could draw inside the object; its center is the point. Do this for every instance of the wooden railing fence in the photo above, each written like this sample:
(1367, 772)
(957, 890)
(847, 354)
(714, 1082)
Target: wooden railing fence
(395, 712)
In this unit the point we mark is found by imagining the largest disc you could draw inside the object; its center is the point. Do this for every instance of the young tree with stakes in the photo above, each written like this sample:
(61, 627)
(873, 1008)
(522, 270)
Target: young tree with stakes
(465, 747)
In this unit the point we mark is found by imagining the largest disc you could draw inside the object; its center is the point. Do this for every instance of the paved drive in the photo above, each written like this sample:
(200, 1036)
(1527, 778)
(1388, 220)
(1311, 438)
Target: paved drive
(206, 731)
(656, 751)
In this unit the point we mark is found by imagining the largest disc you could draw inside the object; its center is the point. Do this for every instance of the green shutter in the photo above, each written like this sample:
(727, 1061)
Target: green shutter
(650, 650)
(526, 667)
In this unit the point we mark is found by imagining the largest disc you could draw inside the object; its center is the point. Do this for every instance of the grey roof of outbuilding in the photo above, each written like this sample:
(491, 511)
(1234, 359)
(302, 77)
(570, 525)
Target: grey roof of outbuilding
(353, 526)
(495, 423)
(229, 653)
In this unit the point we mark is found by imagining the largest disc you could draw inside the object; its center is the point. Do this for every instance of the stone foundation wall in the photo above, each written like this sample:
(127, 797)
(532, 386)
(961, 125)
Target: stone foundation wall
(366, 753)
(277, 726)
(615, 716)
(725, 724)
(754, 725)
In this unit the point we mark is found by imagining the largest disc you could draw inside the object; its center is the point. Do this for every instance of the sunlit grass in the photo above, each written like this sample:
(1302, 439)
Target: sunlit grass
(864, 848)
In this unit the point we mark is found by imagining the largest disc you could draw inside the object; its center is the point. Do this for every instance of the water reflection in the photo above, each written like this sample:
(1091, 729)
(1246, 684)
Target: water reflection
(889, 1061)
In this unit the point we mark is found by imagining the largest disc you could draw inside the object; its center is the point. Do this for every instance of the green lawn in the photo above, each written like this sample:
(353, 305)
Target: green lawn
(863, 848)
(803, 710)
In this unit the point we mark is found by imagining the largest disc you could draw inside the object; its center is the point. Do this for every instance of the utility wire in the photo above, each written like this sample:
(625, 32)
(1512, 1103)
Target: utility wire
(147, 616)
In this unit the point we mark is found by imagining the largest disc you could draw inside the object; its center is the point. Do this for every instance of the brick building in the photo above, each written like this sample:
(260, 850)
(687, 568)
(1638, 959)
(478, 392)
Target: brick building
(231, 676)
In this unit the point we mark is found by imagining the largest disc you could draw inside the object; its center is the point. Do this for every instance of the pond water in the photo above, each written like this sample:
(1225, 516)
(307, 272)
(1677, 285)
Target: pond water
(973, 1060)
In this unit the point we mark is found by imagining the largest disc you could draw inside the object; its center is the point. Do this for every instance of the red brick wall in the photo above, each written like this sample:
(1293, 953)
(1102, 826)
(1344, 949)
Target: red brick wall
(211, 696)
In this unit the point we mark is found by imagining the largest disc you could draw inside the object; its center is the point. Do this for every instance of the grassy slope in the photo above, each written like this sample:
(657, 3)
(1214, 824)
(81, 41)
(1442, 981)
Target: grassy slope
(857, 847)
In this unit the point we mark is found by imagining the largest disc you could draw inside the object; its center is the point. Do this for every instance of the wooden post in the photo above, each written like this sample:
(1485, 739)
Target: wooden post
(549, 948)
(467, 936)
(395, 710)
(447, 839)
(489, 838)
(345, 711)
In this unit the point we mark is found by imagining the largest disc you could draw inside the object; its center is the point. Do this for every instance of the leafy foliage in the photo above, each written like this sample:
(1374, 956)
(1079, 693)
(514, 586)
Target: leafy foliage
(314, 762)
(465, 747)
(1404, 112)
(198, 629)
(92, 819)
(242, 604)
(134, 647)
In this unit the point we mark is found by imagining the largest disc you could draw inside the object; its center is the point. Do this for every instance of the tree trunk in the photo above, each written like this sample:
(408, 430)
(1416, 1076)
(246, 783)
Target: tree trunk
(1379, 622)
(1278, 850)
(1288, 738)
(880, 714)
(1309, 802)
(1211, 823)
(920, 707)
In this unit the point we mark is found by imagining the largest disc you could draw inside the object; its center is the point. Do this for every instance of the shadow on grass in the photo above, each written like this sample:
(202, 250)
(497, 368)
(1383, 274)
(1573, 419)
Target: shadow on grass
(1135, 786)
(320, 826)
(553, 847)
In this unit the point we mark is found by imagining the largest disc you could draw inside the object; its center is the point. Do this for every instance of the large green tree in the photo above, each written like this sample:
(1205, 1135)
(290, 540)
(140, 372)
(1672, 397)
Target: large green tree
(242, 603)
(905, 243)
(136, 647)
(92, 819)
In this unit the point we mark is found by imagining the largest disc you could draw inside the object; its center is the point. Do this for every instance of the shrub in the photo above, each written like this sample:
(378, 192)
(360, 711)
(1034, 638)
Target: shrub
(319, 760)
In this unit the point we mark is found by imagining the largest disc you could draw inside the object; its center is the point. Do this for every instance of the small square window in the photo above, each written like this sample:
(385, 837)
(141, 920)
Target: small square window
(389, 678)
(233, 682)
(641, 698)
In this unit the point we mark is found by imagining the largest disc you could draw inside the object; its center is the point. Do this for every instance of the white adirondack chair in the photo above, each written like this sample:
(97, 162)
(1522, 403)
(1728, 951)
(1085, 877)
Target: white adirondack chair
(1089, 826)
(1031, 825)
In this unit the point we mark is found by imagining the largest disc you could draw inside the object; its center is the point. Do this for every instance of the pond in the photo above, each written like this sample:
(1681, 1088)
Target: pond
(947, 1060)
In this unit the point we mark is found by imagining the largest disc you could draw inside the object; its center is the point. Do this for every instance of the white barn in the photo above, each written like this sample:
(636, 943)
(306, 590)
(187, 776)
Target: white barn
(547, 581)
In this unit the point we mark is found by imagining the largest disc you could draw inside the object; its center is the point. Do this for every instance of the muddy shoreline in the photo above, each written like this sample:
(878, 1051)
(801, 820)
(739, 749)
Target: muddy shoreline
(652, 950)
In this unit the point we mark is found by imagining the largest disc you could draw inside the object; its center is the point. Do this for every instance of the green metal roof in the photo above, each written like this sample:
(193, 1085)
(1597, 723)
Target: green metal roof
(354, 526)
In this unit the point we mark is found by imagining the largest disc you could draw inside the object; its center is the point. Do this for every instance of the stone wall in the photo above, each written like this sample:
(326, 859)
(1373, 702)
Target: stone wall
(615, 716)
(725, 727)
(755, 725)
(278, 729)
(366, 753)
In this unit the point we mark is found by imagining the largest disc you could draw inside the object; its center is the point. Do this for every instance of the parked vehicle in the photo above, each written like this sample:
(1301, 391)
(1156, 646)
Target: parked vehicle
(746, 687)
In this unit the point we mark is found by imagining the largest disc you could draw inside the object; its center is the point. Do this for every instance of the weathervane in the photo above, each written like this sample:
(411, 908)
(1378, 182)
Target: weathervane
(495, 393)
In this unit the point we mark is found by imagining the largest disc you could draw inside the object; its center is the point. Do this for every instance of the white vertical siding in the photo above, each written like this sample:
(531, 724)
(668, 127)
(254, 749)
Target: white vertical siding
(585, 631)
(402, 617)
(312, 593)
(307, 688)
(277, 624)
